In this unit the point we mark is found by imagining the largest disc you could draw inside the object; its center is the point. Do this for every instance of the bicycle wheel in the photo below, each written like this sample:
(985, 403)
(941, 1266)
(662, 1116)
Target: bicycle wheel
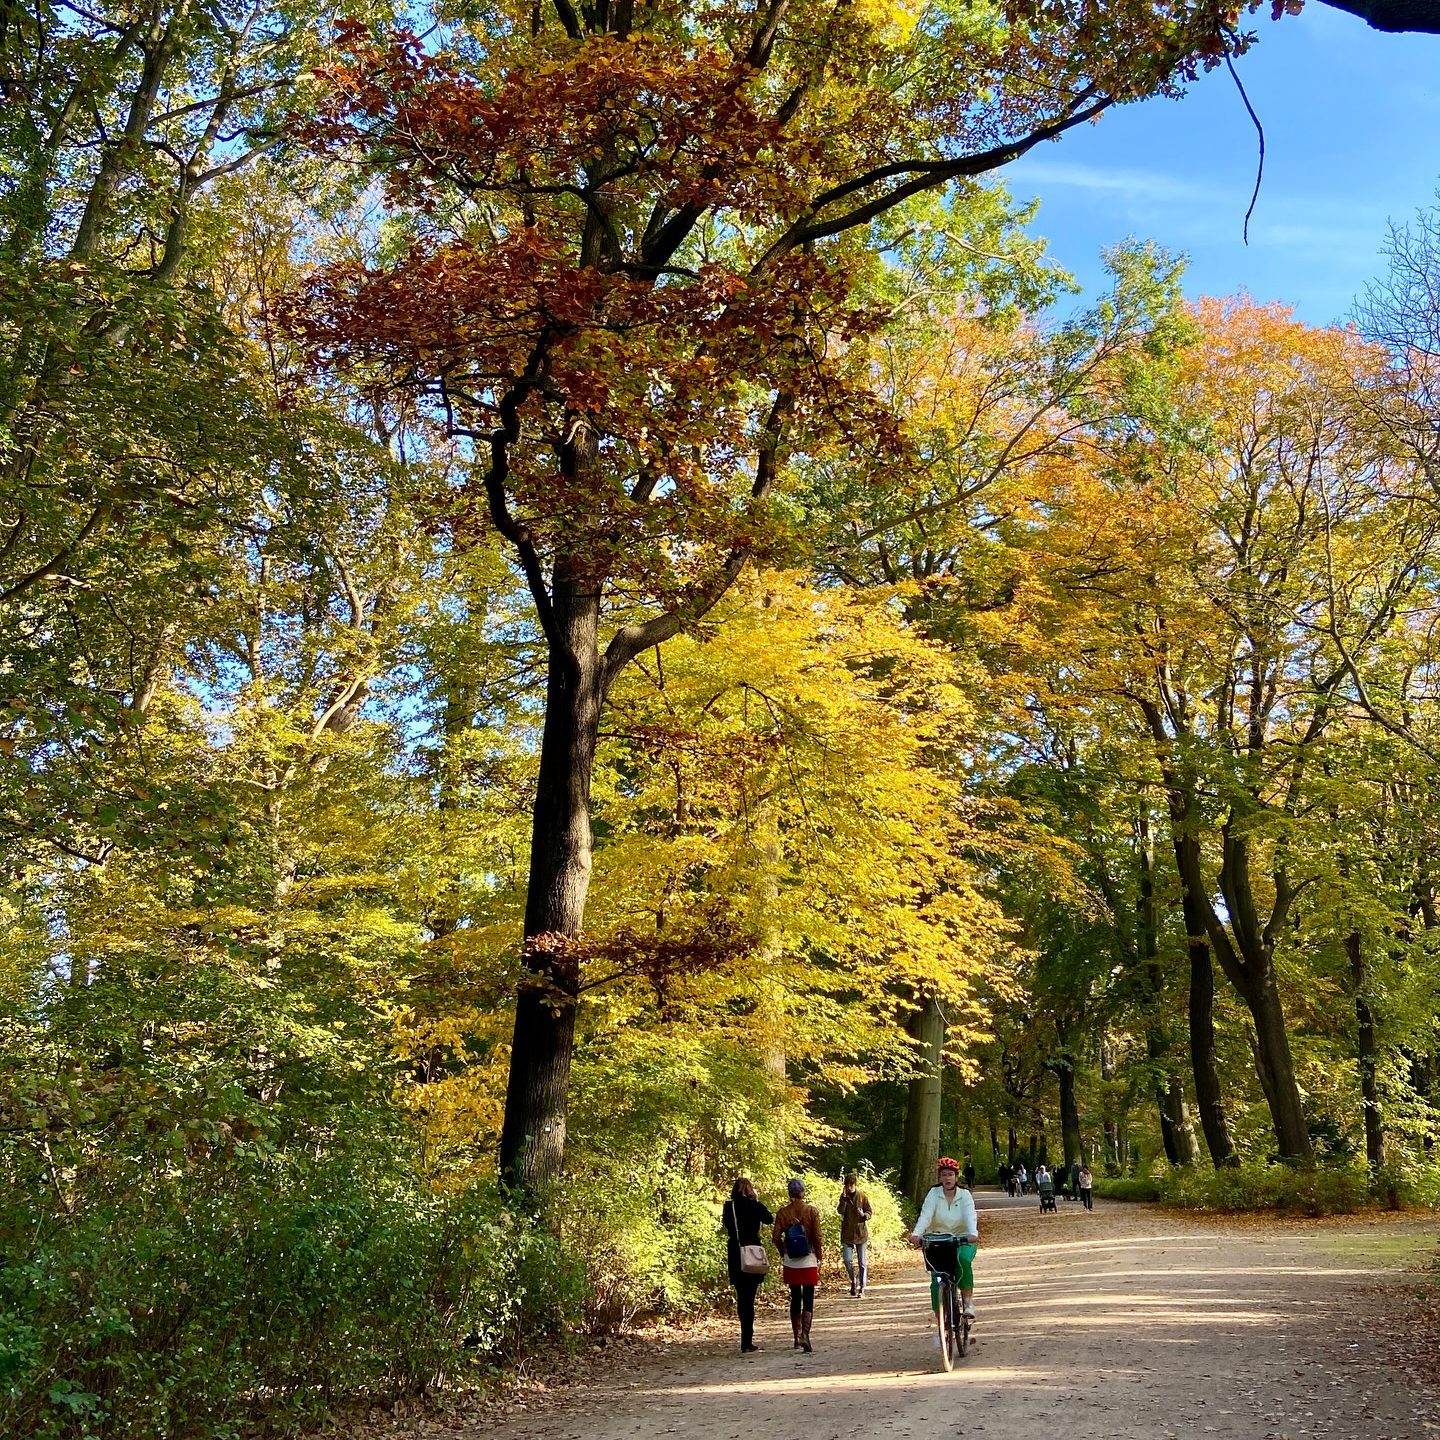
(945, 1325)
(957, 1326)
(962, 1334)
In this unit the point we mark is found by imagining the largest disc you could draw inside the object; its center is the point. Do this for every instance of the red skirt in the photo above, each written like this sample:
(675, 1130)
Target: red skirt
(799, 1274)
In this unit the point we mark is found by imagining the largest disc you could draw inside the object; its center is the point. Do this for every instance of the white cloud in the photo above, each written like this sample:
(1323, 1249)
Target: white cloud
(1136, 186)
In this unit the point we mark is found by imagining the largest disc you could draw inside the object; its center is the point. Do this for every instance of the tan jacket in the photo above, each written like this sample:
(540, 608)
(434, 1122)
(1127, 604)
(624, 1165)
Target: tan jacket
(807, 1215)
(854, 1211)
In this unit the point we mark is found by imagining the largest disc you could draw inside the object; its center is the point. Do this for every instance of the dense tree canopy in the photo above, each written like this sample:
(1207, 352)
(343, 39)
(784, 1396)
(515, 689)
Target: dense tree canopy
(577, 598)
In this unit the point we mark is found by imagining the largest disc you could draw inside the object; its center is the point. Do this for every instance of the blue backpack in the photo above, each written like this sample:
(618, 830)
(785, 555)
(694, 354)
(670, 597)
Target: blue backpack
(797, 1241)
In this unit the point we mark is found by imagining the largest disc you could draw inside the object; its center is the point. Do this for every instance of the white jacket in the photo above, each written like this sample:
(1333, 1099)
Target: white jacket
(939, 1216)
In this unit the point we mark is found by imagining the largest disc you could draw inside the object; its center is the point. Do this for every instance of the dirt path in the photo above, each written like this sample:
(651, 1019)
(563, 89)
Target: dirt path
(1127, 1323)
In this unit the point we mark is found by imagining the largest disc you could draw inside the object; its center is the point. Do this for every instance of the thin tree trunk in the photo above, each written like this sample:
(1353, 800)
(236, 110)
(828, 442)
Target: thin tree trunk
(1366, 1055)
(1111, 1123)
(922, 1112)
(1175, 1137)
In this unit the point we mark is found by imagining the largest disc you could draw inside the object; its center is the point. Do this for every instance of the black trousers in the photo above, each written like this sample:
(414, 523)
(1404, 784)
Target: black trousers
(1089, 1198)
(745, 1288)
(802, 1298)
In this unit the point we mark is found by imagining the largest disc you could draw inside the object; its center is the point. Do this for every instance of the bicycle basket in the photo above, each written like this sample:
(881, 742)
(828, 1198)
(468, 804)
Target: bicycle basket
(943, 1255)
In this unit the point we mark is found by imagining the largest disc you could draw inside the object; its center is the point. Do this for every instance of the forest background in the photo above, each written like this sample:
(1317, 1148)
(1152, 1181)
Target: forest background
(584, 614)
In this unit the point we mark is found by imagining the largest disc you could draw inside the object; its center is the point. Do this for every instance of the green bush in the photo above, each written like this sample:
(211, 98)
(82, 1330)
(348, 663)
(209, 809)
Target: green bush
(1405, 1181)
(1321, 1190)
(653, 1244)
(887, 1223)
(648, 1242)
(1137, 1188)
(251, 1306)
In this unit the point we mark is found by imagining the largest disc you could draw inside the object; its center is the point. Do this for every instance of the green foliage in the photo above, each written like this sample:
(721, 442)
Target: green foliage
(1409, 1182)
(651, 1241)
(271, 697)
(888, 1226)
(210, 1305)
(1123, 1188)
(1289, 1190)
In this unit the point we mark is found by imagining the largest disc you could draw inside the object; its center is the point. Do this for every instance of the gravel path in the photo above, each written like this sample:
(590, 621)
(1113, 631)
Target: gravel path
(1129, 1323)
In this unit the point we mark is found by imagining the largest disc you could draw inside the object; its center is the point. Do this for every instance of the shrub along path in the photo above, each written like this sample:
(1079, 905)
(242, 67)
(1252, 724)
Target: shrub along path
(1131, 1322)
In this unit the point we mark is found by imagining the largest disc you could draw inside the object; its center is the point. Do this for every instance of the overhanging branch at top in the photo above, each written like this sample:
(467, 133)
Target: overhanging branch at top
(1421, 17)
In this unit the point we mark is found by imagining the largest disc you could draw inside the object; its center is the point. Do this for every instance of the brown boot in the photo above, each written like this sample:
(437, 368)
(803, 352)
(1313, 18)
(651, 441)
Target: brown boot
(805, 1320)
(795, 1326)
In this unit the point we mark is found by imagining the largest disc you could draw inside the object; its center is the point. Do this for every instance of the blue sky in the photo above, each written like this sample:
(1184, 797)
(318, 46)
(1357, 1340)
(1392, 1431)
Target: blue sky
(1352, 140)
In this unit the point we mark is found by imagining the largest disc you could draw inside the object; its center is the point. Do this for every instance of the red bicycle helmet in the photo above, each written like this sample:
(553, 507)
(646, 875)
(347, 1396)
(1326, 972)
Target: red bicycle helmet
(946, 1163)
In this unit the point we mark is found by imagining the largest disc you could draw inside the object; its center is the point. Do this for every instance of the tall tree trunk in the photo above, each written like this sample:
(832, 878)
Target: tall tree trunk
(1175, 1132)
(1366, 1054)
(1112, 1126)
(1242, 941)
(922, 1112)
(1209, 1100)
(1069, 1111)
(1274, 1065)
(1248, 961)
(532, 1139)
(1176, 1137)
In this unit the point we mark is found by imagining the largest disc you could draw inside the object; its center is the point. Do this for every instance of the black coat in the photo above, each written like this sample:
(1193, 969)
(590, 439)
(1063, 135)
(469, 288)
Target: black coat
(744, 1216)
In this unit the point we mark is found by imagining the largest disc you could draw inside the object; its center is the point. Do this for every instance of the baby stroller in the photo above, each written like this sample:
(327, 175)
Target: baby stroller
(1046, 1188)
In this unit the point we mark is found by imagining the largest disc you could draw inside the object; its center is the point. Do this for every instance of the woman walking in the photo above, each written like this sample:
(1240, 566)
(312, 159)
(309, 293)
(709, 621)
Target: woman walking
(742, 1217)
(797, 1238)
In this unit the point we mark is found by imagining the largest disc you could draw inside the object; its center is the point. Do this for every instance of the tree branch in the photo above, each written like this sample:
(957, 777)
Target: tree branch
(928, 174)
(632, 640)
(1421, 17)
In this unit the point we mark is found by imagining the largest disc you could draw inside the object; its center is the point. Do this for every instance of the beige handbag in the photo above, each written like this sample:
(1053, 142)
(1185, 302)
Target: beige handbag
(753, 1259)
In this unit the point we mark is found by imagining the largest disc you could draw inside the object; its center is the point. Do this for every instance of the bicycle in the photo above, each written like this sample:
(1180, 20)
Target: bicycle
(952, 1324)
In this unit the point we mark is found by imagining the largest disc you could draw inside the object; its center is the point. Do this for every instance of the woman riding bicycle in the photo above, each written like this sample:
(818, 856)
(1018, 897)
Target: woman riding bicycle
(948, 1232)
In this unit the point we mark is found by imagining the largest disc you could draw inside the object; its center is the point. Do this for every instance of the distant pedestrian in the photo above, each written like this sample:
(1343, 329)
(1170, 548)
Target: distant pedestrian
(969, 1173)
(797, 1237)
(1074, 1179)
(1005, 1187)
(854, 1211)
(1045, 1188)
(1087, 1187)
(1023, 1176)
(742, 1217)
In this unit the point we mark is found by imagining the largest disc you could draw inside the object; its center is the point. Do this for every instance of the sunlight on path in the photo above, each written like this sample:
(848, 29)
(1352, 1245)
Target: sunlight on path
(1124, 1323)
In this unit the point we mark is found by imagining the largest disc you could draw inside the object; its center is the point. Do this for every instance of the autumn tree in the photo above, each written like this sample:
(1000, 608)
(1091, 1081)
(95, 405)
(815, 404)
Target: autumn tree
(1235, 667)
(132, 421)
(627, 257)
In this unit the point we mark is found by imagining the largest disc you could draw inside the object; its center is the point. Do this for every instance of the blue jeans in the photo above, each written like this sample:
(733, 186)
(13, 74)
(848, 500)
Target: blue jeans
(852, 1254)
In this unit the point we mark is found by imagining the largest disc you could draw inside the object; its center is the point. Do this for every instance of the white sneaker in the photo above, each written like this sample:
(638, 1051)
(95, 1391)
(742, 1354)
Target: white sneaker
(969, 1310)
